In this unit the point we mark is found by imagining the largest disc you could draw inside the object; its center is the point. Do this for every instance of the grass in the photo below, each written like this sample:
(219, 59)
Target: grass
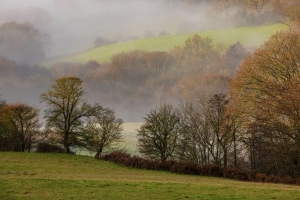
(60, 176)
(248, 36)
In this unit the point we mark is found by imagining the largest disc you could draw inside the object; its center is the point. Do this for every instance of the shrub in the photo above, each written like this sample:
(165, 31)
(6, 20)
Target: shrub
(185, 168)
(210, 170)
(259, 177)
(235, 173)
(125, 159)
(44, 147)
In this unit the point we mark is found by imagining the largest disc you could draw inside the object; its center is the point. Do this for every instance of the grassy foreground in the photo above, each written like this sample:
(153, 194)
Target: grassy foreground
(59, 176)
(248, 36)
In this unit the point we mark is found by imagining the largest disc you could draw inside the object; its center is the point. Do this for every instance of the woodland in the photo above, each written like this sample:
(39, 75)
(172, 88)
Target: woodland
(203, 103)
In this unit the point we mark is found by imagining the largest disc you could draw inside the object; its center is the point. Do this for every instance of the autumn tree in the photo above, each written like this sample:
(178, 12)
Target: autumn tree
(158, 62)
(256, 5)
(103, 130)
(66, 111)
(21, 125)
(266, 88)
(218, 11)
(291, 15)
(196, 56)
(158, 136)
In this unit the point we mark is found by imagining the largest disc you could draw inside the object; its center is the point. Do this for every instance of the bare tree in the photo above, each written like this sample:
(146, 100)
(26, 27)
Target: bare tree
(158, 136)
(103, 130)
(208, 128)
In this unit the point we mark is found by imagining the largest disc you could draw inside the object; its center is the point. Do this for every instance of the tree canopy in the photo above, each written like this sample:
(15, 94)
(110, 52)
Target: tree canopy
(66, 111)
(266, 89)
(158, 136)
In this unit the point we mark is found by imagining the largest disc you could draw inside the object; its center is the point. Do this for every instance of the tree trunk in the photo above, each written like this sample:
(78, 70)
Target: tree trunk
(67, 149)
(98, 154)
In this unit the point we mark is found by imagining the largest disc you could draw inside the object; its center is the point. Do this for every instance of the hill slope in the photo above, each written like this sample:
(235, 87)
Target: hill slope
(60, 176)
(248, 36)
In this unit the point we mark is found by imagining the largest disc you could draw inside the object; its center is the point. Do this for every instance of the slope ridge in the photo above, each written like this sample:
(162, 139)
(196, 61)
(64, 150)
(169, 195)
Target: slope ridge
(248, 36)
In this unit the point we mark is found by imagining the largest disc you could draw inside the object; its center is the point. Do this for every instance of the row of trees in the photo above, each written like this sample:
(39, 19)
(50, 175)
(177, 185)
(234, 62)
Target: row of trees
(201, 132)
(70, 121)
(254, 12)
(256, 128)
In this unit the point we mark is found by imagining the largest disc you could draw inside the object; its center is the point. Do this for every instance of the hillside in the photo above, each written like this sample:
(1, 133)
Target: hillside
(60, 176)
(248, 36)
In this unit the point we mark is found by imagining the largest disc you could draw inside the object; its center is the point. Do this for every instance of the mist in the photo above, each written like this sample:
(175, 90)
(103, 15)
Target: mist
(73, 25)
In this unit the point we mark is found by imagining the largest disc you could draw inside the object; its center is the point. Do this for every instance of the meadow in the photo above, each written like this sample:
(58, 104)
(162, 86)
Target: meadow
(61, 176)
(248, 36)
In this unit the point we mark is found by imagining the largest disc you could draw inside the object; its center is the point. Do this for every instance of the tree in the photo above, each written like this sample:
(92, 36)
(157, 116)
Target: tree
(22, 43)
(103, 130)
(256, 5)
(197, 54)
(218, 11)
(207, 131)
(158, 136)
(100, 41)
(67, 110)
(267, 86)
(290, 15)
(158, 62)
(22, 126)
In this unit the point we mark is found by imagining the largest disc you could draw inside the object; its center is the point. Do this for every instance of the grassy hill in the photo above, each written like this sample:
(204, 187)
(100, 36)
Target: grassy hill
(248, 36)
(60, 176)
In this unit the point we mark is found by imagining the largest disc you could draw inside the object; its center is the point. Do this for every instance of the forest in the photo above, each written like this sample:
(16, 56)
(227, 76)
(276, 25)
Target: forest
(202, 102)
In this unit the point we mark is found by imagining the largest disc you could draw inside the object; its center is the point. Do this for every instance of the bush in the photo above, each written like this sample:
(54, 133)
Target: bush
(118, 157)
(259, 177)
(44, 147)
(235, 173)
(210, 170)
(125, 159)
(185, 168)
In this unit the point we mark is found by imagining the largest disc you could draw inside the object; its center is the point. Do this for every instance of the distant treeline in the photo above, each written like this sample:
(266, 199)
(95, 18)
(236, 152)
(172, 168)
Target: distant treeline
(136, 80)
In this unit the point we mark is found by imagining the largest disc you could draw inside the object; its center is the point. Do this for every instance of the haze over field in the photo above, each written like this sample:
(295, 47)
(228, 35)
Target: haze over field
(73, 25)
(56, 28)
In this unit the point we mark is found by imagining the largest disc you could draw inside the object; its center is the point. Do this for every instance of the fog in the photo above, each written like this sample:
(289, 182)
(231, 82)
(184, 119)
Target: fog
(73, 25)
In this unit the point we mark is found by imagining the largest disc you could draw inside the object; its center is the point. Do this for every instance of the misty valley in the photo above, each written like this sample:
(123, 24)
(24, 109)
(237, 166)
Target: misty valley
(195, 87)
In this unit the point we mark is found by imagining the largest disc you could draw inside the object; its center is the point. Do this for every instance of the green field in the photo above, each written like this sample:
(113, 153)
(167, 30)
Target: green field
(130, 140)
(61, 176)
(249, 36)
